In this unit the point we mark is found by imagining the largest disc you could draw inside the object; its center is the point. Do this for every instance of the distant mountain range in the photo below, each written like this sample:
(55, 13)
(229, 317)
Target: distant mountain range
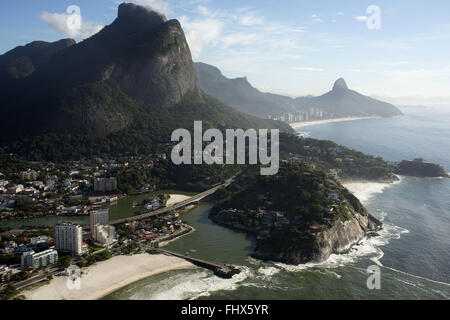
(241, 95)
(128, 87)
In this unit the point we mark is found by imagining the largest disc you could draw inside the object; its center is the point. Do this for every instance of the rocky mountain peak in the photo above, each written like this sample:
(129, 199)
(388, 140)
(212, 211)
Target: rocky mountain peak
(139, 14)
(340, 84)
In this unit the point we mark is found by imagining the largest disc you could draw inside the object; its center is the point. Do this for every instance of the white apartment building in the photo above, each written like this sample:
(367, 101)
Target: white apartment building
(100, 217)
(105, 236)
(38, 260)
(68, 238)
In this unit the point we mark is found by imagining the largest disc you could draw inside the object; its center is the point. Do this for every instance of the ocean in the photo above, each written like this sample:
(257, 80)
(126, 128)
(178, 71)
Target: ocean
(412, 249)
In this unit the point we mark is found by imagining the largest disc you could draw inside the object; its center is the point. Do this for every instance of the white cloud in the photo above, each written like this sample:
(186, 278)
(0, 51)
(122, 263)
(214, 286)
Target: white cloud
(361, 18)
(299, 30)
(200, 33)
(250, 20)
(316, 18)
(340, 14)
(312, 69)
(61, 22)
(155, 5)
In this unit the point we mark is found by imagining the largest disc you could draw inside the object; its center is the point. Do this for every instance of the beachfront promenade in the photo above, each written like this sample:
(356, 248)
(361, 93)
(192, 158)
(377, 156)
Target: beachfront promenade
(176, 206)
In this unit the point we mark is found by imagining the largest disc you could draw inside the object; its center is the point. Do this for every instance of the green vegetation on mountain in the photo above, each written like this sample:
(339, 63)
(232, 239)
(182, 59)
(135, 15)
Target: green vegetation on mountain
(420, 168)
(327, 155)
(299, 215)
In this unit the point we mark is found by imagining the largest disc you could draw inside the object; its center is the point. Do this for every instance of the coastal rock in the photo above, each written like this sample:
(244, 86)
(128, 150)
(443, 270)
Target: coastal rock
(420, 168)
(337, 239)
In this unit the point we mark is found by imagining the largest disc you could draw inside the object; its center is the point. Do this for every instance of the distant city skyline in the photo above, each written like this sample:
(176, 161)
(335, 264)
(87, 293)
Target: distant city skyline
(294, 48)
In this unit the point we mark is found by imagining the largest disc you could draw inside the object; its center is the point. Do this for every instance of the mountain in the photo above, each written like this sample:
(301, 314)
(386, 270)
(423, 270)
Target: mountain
(133, 80)
(343, 102)
(240, 94)
(23, 60)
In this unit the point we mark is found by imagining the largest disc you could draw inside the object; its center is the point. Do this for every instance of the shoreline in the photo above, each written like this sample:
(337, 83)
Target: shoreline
(295, 125)
(106, 277)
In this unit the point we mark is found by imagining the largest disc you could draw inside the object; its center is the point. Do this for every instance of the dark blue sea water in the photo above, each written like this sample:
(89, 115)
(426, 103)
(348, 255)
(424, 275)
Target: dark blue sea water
(413, 247)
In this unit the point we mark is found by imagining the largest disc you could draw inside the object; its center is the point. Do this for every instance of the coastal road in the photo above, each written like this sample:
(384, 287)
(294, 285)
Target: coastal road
(178, 205)
(28, 282)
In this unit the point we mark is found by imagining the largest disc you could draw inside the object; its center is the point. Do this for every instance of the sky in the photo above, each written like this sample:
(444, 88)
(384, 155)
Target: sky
(289, 47)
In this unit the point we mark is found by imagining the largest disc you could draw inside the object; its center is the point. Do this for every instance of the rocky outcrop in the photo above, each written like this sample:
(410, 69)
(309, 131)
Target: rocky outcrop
(337, 239)
(420, 168)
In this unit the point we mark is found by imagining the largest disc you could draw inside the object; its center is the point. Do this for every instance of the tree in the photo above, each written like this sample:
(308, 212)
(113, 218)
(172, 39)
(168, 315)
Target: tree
(64, 261)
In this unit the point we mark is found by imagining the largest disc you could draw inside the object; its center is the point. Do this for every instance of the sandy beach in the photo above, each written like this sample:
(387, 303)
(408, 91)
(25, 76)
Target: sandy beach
(175, 198)
(314, 122)
(108, 276)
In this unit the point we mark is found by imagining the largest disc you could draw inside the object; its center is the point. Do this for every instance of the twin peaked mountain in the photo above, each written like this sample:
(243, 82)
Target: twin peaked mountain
(134, 78)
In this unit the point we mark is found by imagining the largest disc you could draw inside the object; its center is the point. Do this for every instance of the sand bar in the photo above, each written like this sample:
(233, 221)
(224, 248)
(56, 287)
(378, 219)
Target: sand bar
(175, 198)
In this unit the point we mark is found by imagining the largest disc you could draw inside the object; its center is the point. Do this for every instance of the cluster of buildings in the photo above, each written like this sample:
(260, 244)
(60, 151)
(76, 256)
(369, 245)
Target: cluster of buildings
(154, 228)
(260, 222)
(42, 251)
(105, 184)
(5, 274)
(36, 243)
(305, 115)
(102, 233)
(62, 189)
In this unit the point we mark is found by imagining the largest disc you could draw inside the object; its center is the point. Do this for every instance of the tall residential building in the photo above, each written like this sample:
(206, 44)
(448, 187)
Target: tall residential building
(105, 184)
(100, 217)
(68, 237)
(38, 260)
(105, 236)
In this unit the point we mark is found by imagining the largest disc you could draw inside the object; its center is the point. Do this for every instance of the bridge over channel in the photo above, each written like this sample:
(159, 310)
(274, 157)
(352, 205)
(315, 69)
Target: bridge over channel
(176, 206)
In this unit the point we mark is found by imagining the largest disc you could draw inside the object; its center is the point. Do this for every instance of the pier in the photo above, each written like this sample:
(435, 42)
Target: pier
(223, 271)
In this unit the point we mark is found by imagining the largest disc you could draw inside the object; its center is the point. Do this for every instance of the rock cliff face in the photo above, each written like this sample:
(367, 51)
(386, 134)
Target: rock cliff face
(337, 239)
(158, 67)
